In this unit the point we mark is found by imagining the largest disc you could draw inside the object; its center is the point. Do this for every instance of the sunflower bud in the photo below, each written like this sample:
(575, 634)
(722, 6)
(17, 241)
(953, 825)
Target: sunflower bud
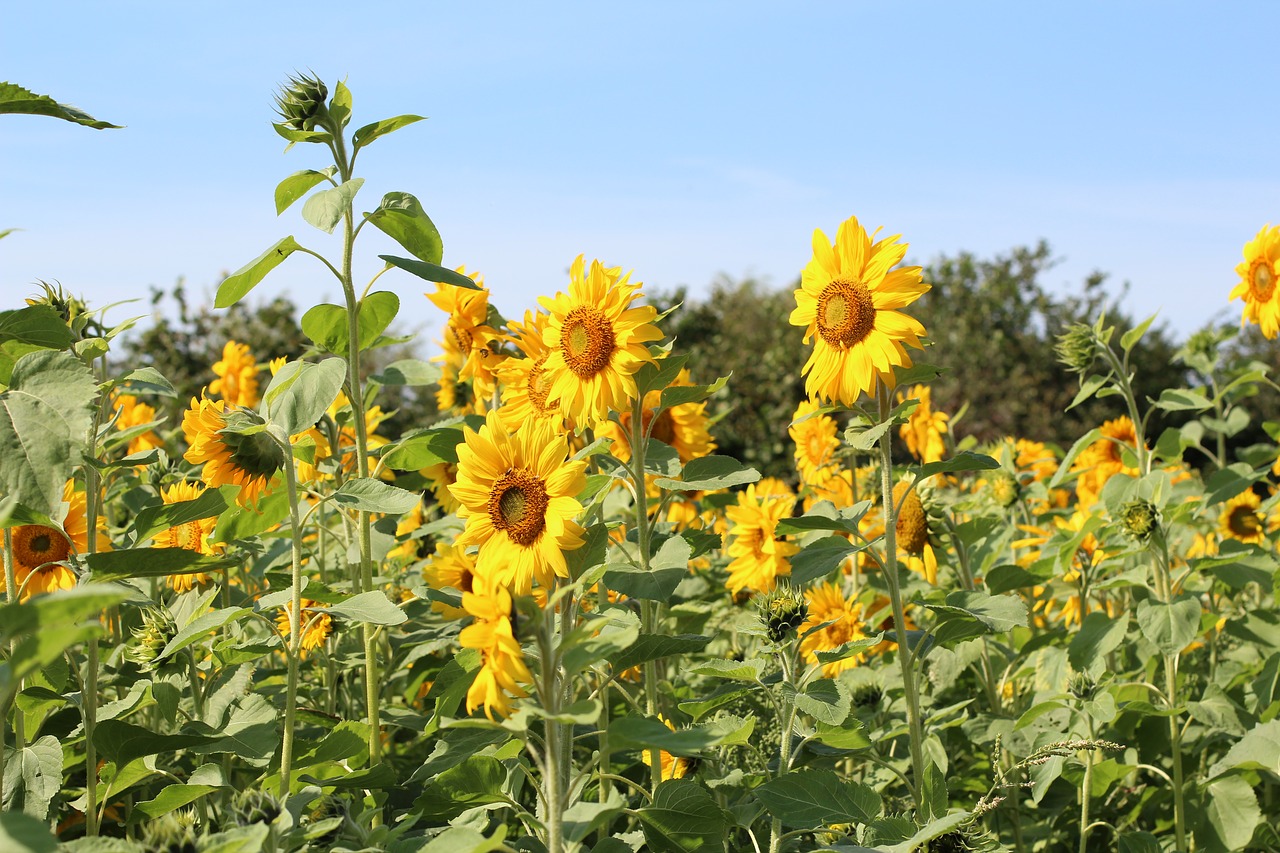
(782, 611)
(1140, 519)
(150, 639)
(1077, 348)
(1004, 488)
(1082, 686)
(912, 526)
(254, 806)
(301, 103)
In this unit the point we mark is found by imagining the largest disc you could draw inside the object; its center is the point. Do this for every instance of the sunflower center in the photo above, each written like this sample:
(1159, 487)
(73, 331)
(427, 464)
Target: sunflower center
(35, 544)
(518, 506)
(587, 341)
(1244, 522)
(539, 388)
(185, 536)
(1263, 280)
(461, 338)
(846, 314)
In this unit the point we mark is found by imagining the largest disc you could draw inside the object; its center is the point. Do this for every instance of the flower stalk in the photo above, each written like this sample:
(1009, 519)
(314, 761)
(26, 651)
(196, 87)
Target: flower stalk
(293, 648)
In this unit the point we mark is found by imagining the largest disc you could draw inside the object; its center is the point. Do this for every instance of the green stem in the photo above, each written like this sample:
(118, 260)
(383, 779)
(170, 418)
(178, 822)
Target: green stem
(11, 595)
(1164, 589)
(1085, 792)
(787, 725)
(294, 647)
(90, 686)
(555, 769)
(905, 657)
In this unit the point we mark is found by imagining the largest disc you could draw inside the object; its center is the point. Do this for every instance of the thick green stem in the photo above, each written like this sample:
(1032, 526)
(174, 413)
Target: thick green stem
(905, 658)
(92, 489)
(1085, 793)
(294, 647)
(11, 594)
(787, 725)
(556, 770)
(1164, 589)
(648, 609)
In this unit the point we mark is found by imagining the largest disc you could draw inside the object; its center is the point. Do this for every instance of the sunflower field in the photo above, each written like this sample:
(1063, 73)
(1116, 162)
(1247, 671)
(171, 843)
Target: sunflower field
(555, 619)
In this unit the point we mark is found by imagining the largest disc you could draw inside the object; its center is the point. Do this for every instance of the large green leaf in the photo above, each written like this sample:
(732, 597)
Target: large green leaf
(1100, 635)
(369, 495)
(154, 519)
(325, 208)
(15, 100)
(815, 798)
(301, 392)
(377, 129)
(237, 285)
(710, 472)
(1259, 749)
(33, 777)
(683, 818)
(171, 797)
(820, 558)
(373, 607)
(153, 563)
(1231, 814)
(45, 416)
(419, 450)
(477, 781)
(326, 324)
(1170, 626)
(37, 325)
(299, 184)
(22, 833)
(123, 742)
(400, 216)
(431, 272)
(649, 647)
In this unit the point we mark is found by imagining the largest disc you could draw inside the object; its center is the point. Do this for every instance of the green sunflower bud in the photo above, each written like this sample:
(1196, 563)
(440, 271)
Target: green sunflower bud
(301, 103)
(782, 611)
(1004, 488)
(150, 639)
(1140, 519)
(1077, 348)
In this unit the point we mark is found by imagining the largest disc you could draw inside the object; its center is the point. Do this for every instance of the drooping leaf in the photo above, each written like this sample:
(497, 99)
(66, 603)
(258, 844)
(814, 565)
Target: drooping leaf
(1231, 813)
(369, 495)
(373, 607)
(154, 519)
(237, 285)
(325, 208)
(153, 563)
(171, 797)
(649, 647)
(33, 777)
(400, 216)
(431, 272)
(374, 130)
(15, 100)
(36, 325)
(474, 782)
(22, 833)
(123, 742)
(815, 798)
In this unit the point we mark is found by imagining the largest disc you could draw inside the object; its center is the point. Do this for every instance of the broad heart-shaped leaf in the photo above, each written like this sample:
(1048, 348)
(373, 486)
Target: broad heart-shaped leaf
(372, 607)
(370, 495)
(33, 776)
(45, 417)
(816, 798)
(1170, 627)
(299, 184)
(400, 216)
(430, 447)
(1259, 749)
(37, 325)
(1230, 815)
(683, 818)
(301, 391)
(372, 131)
(326, 325)
(710, 472)
(153, 563)
(22, 833)
(431, 272)
(474, 782)
(122, 742)
(237, 285)
(324, 209)
(635, 582)
(1098, 637)
(15, 100)
(997, 612)
(826, 700)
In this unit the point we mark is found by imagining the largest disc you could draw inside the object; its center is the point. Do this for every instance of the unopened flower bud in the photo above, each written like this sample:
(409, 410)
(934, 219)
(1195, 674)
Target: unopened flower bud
(782, 611)
(1077, 348)
(1140, 519)
(301, 103)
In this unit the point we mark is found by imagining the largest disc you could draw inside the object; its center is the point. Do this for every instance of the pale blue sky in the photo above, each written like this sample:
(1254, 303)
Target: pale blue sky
(679, 140)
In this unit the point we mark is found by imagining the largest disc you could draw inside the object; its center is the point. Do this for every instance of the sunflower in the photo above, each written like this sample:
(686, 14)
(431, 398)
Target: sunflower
(683, 427)
(827, 604)
(517, 495)
(1242, 519)
(451, 567)
(814, 436)
(911, 532)
(597, 342)
(1103, 459)
(40, 553)
(1257, 285)
(230, 457)
(134, 413)
(466, 327)
(846, 303)
(192, 535)
(440, 477)
(526, 387)
(925, 430)
(673, 767)
(759, 557)
(316, 624)
(493, 635)
(237, 381)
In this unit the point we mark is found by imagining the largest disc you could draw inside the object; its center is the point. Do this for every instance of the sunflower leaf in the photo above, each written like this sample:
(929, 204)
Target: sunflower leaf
(153, 519)
(400, 216)
(377, 129)
(324, 209)
(299, 184)
(16, 100)
(237, 285)
(431, 272)
(153, 563)
(369, 495)
(301, 392)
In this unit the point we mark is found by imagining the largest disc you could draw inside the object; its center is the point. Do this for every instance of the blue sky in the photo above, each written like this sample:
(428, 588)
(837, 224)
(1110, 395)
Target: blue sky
(680, 140)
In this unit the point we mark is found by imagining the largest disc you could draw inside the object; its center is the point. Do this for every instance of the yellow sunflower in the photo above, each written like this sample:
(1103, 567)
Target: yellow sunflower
(759, 557)
(683, 428)
(229, 457)
(134, 413)
(518, 497)
(1103, 459)
(193, 535)
(526, 387)
(465, 329)
(828, 604)
(40, 553)
(237, 372)
(1242, 519)
(316, 624)
(814, 438)
(492, 634)
(451, 567)
(673, 766)
(912, 532)
(440, 477)
(925, 430)
(597, 342)
(846, 304)
(1257, 285)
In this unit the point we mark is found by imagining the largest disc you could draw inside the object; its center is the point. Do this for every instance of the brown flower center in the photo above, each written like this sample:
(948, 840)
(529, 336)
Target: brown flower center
(587, 341)
(846, 314)
(1244, 522)
(185, 536)
(518, 505)
(912, 527)
(35, 544)
(461, 338)
(1263, 280)
(663, 429)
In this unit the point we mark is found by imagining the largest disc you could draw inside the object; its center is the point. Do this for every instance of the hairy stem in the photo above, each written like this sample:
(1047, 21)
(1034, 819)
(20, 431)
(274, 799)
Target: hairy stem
(294, 647)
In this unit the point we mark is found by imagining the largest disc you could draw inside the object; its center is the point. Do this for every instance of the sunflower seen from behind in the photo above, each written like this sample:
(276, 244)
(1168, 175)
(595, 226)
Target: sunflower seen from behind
(597, 342)
(215, 438)
(517, 493)
(847, 304)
